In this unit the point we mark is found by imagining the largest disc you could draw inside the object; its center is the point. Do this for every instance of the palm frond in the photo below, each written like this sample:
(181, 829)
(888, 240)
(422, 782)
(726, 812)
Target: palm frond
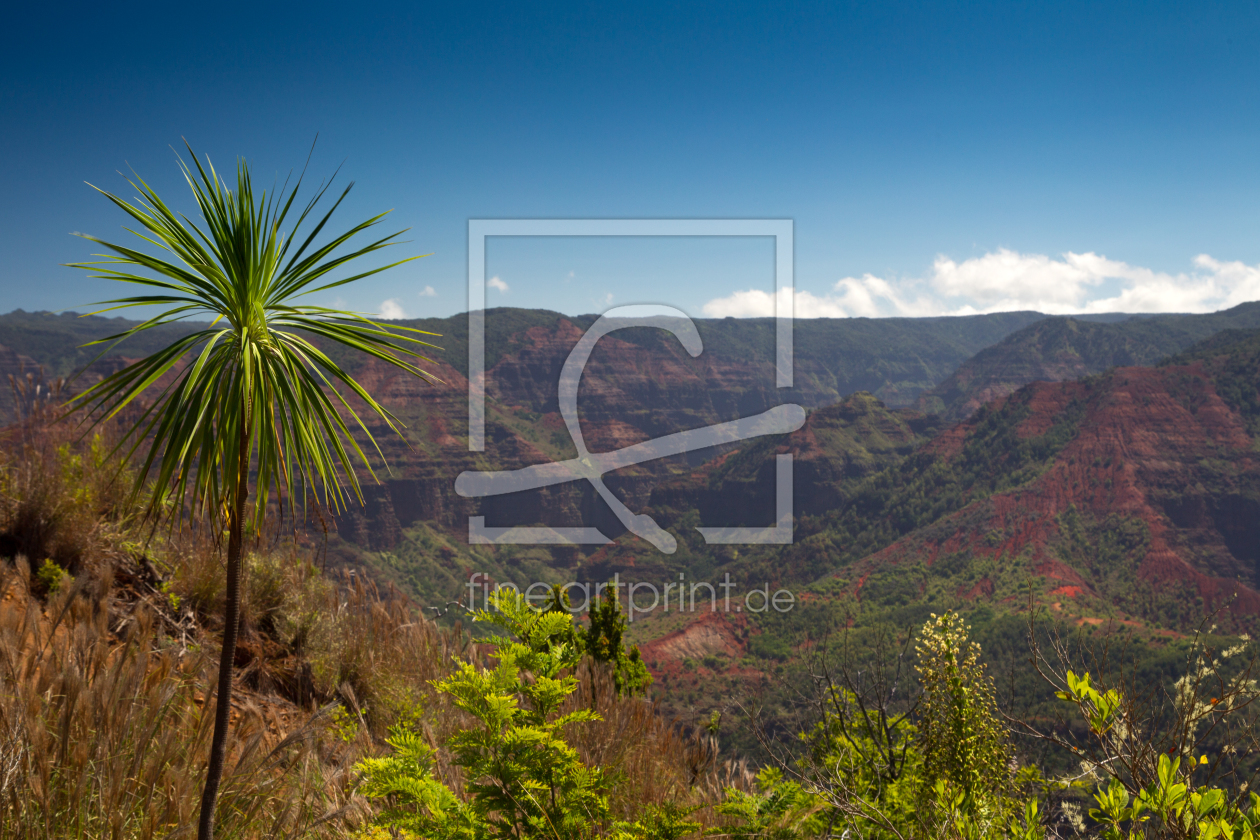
(257, 375)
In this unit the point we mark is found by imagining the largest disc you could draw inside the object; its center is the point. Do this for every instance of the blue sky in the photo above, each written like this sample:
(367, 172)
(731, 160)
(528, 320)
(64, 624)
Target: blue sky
(936, 158)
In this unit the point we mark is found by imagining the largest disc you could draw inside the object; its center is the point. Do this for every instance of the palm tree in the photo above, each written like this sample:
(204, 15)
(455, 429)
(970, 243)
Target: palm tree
(250, 391)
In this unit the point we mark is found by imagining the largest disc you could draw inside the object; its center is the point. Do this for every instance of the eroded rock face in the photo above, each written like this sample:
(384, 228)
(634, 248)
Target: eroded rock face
(1155, 451)
(631, 391)
(423, 467)
(14, 367)
(708, 633)
(15, 364)
(1152, 451)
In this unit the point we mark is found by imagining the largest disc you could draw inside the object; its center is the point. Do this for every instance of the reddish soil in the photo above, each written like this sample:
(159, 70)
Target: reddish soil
(709, 634)
(1139, 444)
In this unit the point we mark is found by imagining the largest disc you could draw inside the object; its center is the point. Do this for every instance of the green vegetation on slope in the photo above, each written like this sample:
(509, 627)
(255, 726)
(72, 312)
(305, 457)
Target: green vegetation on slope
(1231, 359)
(1060, 349)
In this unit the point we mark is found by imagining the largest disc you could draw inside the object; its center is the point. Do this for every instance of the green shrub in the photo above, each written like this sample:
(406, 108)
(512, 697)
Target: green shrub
(523, 779)
(52, 577)
(658, 822)
(603, 641)
(766, 646)
(779, 810)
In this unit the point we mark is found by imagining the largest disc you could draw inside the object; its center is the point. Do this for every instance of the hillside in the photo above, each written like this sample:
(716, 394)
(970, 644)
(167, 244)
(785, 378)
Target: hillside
(1134, 492)
(1145, 502)
(838, 447)
(1063, 349)
(1129, 501)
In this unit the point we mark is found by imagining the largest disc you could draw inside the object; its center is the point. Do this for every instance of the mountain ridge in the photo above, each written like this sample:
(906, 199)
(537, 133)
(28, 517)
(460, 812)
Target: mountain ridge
(1063, 348)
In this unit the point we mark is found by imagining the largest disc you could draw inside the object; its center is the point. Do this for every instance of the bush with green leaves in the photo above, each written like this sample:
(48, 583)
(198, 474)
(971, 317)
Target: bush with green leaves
(52, 577)
(891, 765)
(868, 758)
(1173, 759)
(780, 809)
(1132, 803)
(939, 766)
(657, 822)
(1172, 808)
(521, 778)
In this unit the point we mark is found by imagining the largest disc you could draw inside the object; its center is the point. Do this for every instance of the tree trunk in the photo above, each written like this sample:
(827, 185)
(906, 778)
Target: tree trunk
(231, 626)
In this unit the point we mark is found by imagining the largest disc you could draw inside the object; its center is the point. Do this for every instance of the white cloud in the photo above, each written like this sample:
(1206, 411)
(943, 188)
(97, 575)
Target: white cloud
(391, 310)
(873, 297)
(1021, 281)
(1241, 282)
(755, 303)
(1006, 280)
(428, 291)
(496, 283)
(867, 296)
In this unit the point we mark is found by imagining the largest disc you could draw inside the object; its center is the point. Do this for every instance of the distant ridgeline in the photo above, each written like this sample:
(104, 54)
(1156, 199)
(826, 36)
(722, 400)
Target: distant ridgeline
(894, 358)
(947, 365)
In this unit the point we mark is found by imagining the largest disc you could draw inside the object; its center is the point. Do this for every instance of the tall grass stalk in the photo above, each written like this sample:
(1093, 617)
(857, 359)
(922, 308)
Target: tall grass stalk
(104, 733)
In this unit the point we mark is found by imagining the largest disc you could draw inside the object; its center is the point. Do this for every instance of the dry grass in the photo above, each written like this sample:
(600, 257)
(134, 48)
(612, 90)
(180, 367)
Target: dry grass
(103, 675)
(102, 730)
(314, 638)
(651, 760)
(62, 497)
(105, 735)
